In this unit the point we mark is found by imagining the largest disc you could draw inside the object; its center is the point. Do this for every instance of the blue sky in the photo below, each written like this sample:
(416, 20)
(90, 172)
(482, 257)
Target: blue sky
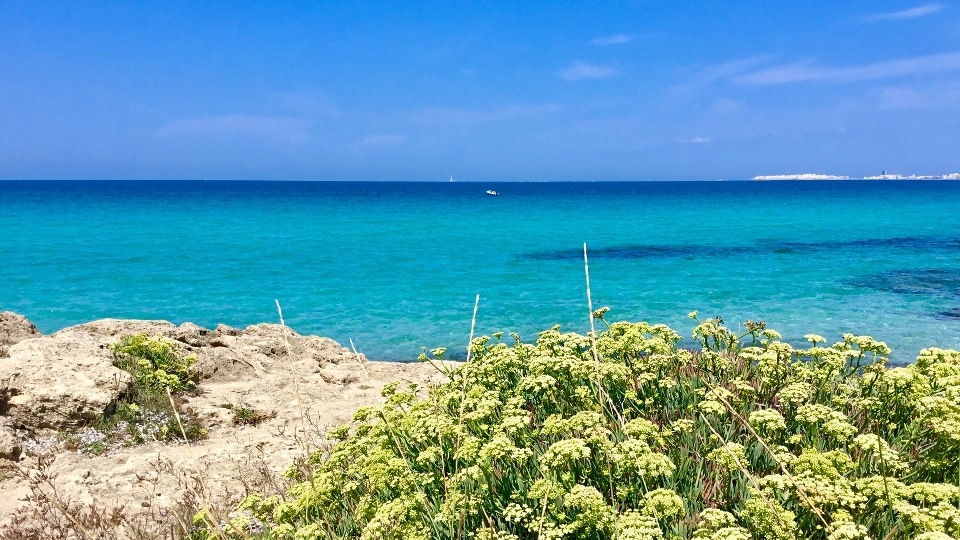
(481, 90)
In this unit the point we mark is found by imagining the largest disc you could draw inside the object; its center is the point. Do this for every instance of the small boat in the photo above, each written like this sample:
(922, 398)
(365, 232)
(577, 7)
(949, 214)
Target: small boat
(492, 192)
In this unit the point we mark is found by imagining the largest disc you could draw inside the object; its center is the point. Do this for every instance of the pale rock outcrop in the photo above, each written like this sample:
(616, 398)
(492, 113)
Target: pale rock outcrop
(317, 386)
(14, 329)
(67, 380)
(61, 381)
(10, 445)
(229, 354)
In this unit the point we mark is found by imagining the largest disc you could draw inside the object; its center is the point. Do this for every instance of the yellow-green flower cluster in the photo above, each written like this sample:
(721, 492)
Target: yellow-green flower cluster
(632, 437)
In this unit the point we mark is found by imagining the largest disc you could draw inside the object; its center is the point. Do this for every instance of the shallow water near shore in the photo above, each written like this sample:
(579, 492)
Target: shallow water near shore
(396, 266)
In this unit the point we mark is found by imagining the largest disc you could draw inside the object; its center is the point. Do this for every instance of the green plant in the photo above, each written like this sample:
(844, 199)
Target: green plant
(248, 417)
(144, 413)
(155, 362)
(745, 437)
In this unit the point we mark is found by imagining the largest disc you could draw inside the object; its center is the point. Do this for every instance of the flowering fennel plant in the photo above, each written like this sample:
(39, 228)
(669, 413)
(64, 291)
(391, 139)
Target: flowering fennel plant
(630, 436)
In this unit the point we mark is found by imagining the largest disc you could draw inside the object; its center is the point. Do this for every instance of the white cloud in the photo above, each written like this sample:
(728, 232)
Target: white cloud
(583, 70)
(801, 72)
(615, 39)
(237, 124)
(912, 13)
(696, 140)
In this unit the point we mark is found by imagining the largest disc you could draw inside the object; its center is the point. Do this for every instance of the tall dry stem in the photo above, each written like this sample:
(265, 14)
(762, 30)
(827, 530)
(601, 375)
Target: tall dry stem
(296, 378)
(601, 395)
(62, 510)
(466, 366)
(746, 473)
(783, 468)
(593, 330)
(359, 360)
(209, 514)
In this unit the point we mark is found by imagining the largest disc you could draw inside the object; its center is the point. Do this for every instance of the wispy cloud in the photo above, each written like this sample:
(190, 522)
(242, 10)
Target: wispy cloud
(716, 72)
(936, 96)
(388, 139)
(802, 72)
(378, 142)
(583, 70)
(459, 116)
(696, 140)
(307, 103)
(726, 106)
(615, 39)
(236, 125)
(912, 13)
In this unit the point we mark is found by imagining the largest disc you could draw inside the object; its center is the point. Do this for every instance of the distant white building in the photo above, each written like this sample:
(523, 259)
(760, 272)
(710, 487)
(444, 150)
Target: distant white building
(954, 176)
(805, 176)
(886, 177)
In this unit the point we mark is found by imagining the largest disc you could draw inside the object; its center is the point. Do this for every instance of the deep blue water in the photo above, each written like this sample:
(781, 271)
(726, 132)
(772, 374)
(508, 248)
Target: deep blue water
(396, 266)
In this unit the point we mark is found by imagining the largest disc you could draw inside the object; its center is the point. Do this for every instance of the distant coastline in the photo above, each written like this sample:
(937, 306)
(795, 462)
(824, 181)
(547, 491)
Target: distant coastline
(809, 176)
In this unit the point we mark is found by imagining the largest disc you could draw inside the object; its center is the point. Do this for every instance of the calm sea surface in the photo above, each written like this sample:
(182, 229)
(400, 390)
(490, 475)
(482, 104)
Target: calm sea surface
(396, 266)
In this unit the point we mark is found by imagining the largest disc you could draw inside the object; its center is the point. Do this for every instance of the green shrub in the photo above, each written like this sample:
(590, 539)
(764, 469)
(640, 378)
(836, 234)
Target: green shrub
(246, 416)
(155, 363)
(145, 412)
(637, 438)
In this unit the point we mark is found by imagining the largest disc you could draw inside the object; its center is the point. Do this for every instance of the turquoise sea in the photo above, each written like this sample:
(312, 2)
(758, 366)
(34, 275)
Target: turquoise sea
(396, 266)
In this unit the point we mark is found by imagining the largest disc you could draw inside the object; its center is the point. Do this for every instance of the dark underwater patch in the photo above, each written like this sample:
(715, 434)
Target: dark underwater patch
(950, 314)
(930, 282)
(654, 251)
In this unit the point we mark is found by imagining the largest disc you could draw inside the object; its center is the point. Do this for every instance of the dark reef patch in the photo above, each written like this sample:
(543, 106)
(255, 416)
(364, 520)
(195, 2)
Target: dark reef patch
(933, 282)
(950, 314)
(654, 251)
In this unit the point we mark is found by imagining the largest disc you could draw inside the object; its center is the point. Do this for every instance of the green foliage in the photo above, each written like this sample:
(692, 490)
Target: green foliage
(145, 412)
(246, 416)
(746, 437)
(155, 362)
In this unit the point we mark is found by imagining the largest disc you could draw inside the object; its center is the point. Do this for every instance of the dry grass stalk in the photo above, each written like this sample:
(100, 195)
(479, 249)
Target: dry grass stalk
(745, 472)
(57, 505)
(209, 514)
(359, 360)
(204, 496)
(296, 378)
(601, 395)
(593, 330)
(466, 366)
(463, 397)
(763, 444)
(543, 511)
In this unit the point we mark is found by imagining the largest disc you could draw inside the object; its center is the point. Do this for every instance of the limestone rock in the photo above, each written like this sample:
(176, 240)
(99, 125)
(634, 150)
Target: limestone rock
(116, 328)
(61, 381)
(10, 446)
(241, 368)
(14, 329)
(231, 354)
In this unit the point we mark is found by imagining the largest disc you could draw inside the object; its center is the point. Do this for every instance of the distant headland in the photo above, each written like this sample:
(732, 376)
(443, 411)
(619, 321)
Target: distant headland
(884, 176)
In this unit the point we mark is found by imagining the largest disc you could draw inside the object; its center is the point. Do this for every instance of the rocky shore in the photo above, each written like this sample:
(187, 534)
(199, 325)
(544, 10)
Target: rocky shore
(54, 387)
